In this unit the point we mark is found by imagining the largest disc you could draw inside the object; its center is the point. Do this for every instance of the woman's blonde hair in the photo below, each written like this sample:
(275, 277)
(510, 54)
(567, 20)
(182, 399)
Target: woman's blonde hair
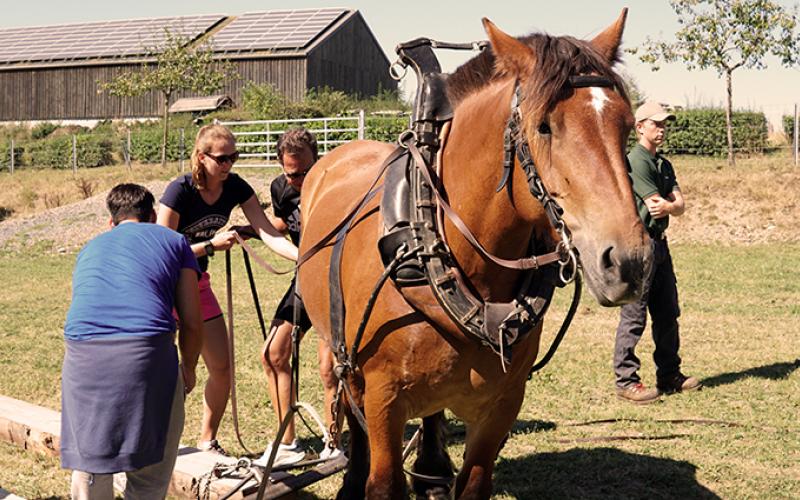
(205, 136)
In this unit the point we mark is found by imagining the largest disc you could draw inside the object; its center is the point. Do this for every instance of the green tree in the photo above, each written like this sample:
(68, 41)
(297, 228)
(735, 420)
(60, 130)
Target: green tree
(726, 35)
(179, 66)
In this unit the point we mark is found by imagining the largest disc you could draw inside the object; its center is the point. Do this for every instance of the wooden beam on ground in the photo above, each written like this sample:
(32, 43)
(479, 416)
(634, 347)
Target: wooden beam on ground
(29, 426)
(38, 429)
(288, 484)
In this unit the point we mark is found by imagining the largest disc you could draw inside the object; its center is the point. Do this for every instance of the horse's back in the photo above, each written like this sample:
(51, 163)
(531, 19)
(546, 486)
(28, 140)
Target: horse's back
(337, 182)
(332, 189)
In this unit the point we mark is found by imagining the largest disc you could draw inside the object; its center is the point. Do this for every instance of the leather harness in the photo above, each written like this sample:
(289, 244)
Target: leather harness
(411, 201)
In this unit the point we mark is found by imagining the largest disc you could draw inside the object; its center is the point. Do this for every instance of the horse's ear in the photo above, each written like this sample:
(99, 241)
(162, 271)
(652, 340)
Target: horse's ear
(607, 42)
(511, 55)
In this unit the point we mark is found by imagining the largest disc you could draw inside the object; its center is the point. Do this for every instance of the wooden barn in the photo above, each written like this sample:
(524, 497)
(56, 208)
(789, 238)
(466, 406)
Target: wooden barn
(52, 72)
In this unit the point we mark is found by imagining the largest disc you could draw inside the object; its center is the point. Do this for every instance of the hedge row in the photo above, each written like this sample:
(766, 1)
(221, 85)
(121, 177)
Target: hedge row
(96, 149)
(56, 152)
(703, 132)
(696, 131)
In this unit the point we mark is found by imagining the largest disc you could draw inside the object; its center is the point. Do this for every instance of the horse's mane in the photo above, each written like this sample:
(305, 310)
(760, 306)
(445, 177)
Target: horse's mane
(557, 58)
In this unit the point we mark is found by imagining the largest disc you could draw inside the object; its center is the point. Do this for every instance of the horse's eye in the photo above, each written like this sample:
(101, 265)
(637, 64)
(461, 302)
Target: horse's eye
(544, 129)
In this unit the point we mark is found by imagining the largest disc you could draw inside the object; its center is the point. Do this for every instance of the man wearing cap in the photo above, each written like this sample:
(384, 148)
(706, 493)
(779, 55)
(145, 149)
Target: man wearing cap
(657, 197)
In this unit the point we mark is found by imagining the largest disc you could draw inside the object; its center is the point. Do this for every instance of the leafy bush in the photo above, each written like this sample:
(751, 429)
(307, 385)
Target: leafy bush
(18, 131)
(5, 155)
(264, 102)
(322, 102)
(42, 130)
(146, 144)
(788, 127)
(385, 128)
(56, 152)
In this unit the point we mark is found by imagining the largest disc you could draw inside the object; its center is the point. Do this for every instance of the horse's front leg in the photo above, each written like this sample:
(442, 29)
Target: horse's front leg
(386, 418)
(355, 478)
(432, 459)
(484, 439)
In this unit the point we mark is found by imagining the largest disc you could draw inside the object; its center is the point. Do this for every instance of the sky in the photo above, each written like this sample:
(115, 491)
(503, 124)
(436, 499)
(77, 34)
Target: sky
(773, 90)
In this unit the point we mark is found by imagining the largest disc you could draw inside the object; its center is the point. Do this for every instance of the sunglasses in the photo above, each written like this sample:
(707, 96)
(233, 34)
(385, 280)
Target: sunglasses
(297, 175)
(231, 158)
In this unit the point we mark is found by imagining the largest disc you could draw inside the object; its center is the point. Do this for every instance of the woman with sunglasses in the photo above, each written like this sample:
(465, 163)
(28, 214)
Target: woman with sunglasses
(198, 205)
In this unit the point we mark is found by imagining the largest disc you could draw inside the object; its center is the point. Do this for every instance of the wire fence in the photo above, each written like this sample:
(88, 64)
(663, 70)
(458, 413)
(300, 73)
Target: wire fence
(257, 141)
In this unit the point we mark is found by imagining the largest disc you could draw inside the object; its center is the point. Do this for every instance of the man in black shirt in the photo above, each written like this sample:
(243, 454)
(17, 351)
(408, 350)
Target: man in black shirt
(297, 153)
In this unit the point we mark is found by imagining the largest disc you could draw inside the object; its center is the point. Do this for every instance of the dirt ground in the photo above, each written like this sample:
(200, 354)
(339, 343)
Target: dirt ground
(756, 202)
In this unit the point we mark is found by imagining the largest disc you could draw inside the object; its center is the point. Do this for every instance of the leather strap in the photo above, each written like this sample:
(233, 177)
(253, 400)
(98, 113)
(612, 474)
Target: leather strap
(525, 263)
(325, 240)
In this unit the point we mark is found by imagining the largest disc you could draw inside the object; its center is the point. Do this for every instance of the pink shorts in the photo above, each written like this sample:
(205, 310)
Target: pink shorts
(209, 307)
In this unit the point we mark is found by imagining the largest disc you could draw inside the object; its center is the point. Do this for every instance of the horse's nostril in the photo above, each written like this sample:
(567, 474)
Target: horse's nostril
(607, 259)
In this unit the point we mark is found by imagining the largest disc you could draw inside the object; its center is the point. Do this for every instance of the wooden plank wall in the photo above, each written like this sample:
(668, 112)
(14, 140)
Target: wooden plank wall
(71, 92)
(350, 60)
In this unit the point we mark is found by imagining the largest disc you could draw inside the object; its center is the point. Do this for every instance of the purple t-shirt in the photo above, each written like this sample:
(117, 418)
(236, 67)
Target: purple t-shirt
(198, 220)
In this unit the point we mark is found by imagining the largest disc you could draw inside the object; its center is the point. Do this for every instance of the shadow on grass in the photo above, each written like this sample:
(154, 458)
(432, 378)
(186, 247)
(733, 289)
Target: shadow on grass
(597, 473)
(775, 371)
(457, 432)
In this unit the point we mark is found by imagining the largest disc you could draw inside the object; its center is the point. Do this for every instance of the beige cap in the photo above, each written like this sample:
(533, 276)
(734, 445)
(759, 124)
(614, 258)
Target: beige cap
(654, 111)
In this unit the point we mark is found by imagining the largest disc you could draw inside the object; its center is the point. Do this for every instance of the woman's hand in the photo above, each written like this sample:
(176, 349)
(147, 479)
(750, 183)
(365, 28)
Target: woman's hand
(224, 240)
(189, 378)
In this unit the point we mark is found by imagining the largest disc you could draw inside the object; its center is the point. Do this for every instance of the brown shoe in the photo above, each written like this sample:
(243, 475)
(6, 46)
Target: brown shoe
(637, 393)
(678, 383)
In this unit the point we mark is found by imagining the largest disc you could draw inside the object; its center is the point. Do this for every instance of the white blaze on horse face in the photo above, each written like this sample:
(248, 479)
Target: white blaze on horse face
(599, 98)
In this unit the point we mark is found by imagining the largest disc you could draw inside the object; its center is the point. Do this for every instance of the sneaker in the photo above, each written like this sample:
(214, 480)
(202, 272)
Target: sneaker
(213, 446)
(287, 454)
(637, 393)
(329, 453)
(678, 383)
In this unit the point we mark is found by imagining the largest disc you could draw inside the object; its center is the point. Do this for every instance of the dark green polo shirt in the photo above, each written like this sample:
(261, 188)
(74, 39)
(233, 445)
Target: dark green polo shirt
(651, 175)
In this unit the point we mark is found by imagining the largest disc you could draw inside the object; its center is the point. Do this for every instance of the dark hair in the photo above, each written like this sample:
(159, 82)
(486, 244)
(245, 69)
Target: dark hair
(126, 201)
(556, 60)
(294, 140)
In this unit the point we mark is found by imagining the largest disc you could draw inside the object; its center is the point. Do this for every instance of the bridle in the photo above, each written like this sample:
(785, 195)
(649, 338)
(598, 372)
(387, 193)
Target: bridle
(568, 258)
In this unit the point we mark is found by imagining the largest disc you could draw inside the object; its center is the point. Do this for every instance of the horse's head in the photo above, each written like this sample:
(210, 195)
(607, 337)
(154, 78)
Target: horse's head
(577, 135)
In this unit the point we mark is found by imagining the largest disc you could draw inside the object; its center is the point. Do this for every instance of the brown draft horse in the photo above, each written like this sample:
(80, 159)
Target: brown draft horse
(415, 362)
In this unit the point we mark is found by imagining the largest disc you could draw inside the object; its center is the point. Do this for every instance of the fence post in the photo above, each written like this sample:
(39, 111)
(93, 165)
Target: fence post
(74, 154)
(12, 156)
(325, 132)
(267, 148)
(794, 142)
(361, 124)
(183, 147)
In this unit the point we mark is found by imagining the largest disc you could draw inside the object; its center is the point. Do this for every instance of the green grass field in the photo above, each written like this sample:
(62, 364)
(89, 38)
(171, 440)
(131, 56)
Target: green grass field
(737, 258)
(741, 315)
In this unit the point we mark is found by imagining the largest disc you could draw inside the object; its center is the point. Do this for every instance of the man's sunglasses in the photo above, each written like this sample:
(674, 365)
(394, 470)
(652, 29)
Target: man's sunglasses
(297, 175)
(231, 158)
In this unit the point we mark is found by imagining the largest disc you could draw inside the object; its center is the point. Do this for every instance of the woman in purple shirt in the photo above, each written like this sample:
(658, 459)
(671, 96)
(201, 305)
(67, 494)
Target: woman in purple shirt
(198, 205)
